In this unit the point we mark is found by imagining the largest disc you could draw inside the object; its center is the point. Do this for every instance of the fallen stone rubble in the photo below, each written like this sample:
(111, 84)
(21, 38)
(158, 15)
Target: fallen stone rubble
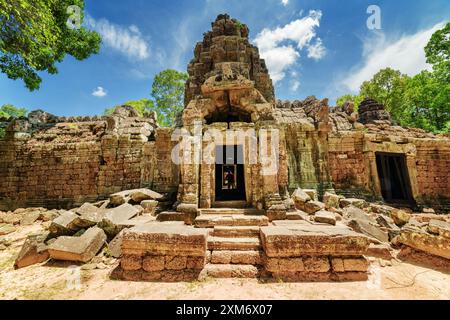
(331, 240)
(79, 234)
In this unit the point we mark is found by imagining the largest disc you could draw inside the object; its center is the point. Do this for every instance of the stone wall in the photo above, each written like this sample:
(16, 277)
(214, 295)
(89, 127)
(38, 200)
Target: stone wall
(433, 171)
(68, 161)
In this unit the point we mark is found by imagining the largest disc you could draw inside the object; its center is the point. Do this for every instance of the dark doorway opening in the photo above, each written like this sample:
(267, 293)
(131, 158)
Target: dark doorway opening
(230, 181)
(394, 178)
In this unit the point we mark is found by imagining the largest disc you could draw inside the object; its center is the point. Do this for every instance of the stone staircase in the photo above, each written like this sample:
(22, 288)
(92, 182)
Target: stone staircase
(233, 242)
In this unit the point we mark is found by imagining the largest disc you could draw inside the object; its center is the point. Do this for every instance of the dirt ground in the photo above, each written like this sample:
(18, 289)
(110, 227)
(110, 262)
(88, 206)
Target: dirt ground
(59, 281)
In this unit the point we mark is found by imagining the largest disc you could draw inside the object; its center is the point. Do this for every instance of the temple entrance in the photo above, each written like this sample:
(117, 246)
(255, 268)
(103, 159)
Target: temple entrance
(230, 181)
(394, 178)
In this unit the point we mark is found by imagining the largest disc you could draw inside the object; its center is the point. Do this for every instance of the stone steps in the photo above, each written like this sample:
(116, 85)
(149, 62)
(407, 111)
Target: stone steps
(212, 220)
(230, 271)
(232, 211)
(237, 204)
(250, 257)
(236, 231)
(239, 244)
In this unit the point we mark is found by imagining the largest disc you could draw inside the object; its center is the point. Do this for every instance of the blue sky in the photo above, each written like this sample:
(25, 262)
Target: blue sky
(322, 48)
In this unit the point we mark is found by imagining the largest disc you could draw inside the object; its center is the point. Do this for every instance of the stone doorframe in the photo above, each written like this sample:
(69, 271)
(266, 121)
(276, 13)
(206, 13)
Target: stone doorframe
(407, 149)
(207, 192)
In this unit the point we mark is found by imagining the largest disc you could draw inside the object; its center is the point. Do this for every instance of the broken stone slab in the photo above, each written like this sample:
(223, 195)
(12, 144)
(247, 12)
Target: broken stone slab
(137, 195)
(49, 215)
(65, 224)
(115, 246)
(297, 215)
(358, 203)
(89, 215)
(312, 207)
(400, 217)
(12, 218)
(312, 193)
(424, 259)
(78, 249)
(369, 229)
(140, 195)
(29, 218)
(7, 229)
(85, 208)
(170, 216)
(301, 239)
(300, 197)
(423, 241)
(382, 251)
(426, 217)
(165, 239)
(353, 213)
(325, 217)
(33, 251)
(149, 206)
(331, 200)
(117, 219)
(440, 228)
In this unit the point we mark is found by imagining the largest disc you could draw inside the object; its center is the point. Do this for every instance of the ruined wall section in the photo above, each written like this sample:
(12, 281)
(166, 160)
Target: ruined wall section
(347, 166)
(305, 126)
(433, 171)
(64, 162)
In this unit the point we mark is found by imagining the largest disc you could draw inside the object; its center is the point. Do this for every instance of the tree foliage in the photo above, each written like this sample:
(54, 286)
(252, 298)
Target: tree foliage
(168, 94)
(356, 99)
(141, 106)
(9, 111)
(35, 37)
(167, 97)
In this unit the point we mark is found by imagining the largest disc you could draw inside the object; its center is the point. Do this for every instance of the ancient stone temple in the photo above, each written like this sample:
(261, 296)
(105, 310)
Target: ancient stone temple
(237, 171)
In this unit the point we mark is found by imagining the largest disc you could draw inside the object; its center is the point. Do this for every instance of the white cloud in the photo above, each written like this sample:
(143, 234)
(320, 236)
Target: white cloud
(285, 2)
(99, 92)
(405, 54)
(279, 57)
(316, 51)
(294, 85)
(127, 41)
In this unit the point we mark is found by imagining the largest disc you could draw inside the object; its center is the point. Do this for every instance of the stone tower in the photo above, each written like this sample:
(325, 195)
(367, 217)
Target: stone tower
(227, 42)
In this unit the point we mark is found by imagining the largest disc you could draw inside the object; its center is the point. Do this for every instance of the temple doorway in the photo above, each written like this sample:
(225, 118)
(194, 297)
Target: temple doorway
(394, 178)
(230, 181)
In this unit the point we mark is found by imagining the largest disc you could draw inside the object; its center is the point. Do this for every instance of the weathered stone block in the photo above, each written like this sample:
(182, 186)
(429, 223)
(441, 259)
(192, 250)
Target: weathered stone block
(131, 262)
(441, 228)
(81, 249)
(162, 239)
(325, 217)
(331, 200)
(419, 240)
(175, 262)
(300, 240)
(312, 207)
(153, 263)
(65, 224)
(33, 251)
(359, 203)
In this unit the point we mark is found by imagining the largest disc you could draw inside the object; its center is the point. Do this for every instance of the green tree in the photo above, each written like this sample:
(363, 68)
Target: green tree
(141, 106)
(387, 87)
(168, 94)
(167, 98)
(437, 52)
(9, 111)
(426, 103)
(36, 35)
(356, 99)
